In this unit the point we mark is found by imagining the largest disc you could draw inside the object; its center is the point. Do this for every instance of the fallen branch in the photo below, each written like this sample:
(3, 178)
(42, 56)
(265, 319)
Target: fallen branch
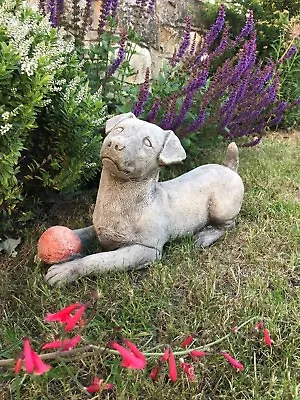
(90, 348)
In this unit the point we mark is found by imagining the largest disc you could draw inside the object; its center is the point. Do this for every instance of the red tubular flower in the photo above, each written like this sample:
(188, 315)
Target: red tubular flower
(33, 363)
(18, 365)
(166, 355)
(75, 319)
(235, 363)
(97, 385)
(133, 359)
(258, 327)
(172, 367)
(187, 342)
(267, 337)
(198, 353)
(63, 345)
(135, 351)
(188, 369)
(154, 373)
(65, 316)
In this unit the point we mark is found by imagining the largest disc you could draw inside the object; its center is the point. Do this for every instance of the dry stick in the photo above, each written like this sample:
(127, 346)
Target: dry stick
(96, 349)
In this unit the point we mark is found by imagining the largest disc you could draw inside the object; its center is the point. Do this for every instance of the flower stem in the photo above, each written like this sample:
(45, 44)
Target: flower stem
(57, 355)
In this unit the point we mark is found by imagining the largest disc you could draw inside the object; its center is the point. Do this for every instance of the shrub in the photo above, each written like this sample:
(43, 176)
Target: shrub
(288, 43)
(106, 60)
(48, 116)
(218, 89)
(271, 18)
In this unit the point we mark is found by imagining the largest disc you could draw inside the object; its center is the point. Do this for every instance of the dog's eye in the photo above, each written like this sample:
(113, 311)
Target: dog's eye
(119, 130)
(147, 142)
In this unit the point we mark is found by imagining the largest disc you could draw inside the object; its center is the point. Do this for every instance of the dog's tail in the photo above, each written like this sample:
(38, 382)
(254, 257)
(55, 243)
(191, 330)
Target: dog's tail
(232, 157)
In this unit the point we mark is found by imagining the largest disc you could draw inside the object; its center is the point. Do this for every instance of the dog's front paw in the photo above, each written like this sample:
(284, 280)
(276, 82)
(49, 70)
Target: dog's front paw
(58, 274)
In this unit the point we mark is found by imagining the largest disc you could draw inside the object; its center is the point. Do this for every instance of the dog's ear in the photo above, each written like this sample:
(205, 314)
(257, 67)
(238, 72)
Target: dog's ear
(172, 152)
(112, 122)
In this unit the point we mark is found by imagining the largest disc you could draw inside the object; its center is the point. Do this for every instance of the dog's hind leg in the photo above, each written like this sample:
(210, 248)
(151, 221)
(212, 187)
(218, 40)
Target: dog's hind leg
(210, 233)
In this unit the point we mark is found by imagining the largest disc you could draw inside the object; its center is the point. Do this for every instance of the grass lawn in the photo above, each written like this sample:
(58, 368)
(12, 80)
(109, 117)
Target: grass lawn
(253, 271)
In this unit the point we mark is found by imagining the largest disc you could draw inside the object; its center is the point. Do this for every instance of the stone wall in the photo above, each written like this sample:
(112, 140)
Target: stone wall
(161, 31)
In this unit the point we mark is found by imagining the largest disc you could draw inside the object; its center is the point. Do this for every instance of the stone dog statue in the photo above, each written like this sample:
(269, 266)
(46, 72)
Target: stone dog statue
(135, 215)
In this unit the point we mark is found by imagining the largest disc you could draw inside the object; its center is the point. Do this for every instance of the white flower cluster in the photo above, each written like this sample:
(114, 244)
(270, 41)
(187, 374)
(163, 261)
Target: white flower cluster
(58, 85)
(71, 89)
(98, 94)
(98, 121)
(49, 53)
(82, 93)
(77, 89)
(46, 102)
(5, 128)
(7, 115)
(90, 165)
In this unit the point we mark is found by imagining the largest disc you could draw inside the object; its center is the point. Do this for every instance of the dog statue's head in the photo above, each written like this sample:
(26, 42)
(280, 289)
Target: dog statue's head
(135, 149)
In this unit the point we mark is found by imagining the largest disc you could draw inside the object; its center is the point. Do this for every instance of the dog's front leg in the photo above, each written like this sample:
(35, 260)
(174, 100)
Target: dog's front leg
(135, 256)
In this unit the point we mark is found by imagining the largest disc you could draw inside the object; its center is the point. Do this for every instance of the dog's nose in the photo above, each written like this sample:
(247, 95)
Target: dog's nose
(116, 145)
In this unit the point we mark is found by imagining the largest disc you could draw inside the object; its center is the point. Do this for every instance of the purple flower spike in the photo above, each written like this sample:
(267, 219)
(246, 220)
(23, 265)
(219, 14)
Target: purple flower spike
(216, 28)
(151, 117)
(247, 28)
(193, 46)
(42, 6)
(200, 80)
(60, 7)
(184, 43)
(185, 108)
(167, 121)
(87, 16)
(211, 36)
(143, 95)
(279, 111)
(224, 44)
(120, 56)
(247, 58)
(52, 7)
(296, 102)
(151, 6)
(114, 7)
(196, 124)
(289, 54)
(106, 9)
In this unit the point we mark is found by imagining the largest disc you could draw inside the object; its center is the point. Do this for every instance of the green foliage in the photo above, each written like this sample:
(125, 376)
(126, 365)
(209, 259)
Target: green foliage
(72, 120)
(290, 70)
(271, 18)
(48, 116)
(100, 55)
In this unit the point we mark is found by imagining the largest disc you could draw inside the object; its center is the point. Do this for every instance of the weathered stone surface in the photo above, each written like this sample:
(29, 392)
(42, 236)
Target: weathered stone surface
(135, 214)
(97, 6)
(139, 61)
(157, 59)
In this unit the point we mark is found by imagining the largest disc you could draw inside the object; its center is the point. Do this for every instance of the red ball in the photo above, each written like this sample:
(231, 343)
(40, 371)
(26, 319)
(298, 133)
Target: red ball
(58, 244)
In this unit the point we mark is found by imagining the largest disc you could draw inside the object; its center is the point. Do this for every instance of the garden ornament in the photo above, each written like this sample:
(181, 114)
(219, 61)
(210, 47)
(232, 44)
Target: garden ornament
(135, 215)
